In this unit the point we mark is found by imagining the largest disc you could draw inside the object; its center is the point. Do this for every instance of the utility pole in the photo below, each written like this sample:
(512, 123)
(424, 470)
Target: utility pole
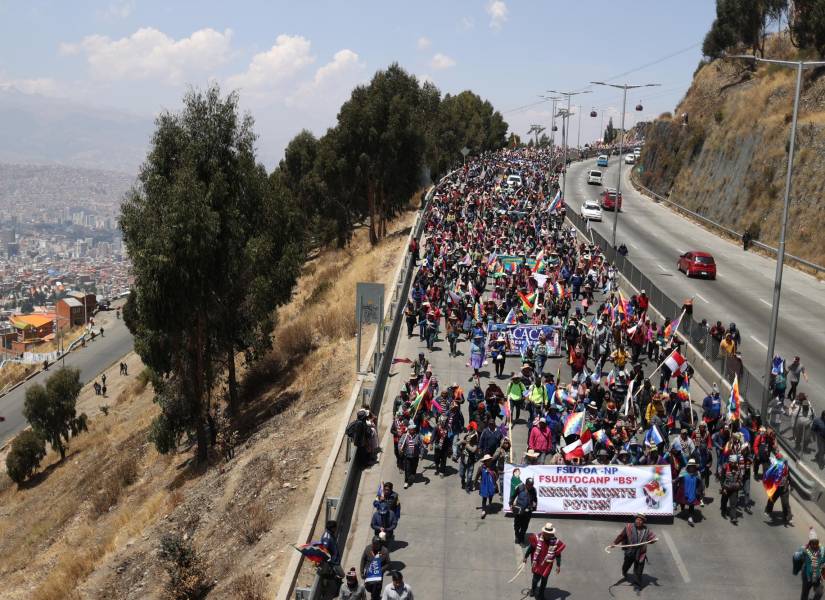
(624, 88)
(579, 134)
(564, 163)
(536, 129)
(780, 251)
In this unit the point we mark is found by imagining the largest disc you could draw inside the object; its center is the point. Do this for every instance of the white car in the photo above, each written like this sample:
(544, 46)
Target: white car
(637, 151)
(594, 178)
(630, 159)
(591, 211)
(514, 182)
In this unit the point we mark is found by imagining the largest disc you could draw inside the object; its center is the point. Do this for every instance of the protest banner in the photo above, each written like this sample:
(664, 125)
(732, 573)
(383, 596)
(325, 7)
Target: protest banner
(522, 335)
(595, 489)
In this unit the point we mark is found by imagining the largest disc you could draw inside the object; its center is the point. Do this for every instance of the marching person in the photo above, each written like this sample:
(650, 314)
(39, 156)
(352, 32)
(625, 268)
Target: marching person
(731, 485)
(783, 492)
(522, 504)
(543, 550)
(690, 490)
(486, 480)
(636, 537)
(397, 590)
(810, 562)
(411, 446)
(352, 590)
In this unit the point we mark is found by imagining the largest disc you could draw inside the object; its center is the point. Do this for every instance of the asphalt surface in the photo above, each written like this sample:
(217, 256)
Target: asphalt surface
(446, 551)
(91, 360)
(742, 292)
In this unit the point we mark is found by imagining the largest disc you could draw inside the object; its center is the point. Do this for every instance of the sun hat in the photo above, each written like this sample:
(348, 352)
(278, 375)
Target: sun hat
(548, 528)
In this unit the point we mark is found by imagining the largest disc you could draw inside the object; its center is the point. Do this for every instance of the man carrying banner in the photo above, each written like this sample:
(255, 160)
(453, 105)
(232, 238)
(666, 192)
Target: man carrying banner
(635, 538)
(543, 549)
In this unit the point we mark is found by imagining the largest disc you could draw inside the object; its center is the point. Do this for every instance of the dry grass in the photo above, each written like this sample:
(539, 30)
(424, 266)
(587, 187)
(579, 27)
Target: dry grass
(12, 373)
(59, 540)
(249, 586)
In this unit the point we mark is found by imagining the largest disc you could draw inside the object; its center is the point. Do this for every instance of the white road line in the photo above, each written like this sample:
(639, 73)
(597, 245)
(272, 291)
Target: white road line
(632, 245)
(765, 302)
(765, 346)
(661, 267)
(680, 564)
(702, 298)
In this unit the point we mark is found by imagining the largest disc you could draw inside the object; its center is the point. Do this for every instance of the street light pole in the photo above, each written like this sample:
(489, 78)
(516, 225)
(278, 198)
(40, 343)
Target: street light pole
(579, 134)
(564, 163)
(624, 87)
(780, 251)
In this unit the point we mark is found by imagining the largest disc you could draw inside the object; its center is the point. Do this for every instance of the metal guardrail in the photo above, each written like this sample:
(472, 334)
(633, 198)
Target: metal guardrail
(797, 442)
(372, 392)
(710, 222)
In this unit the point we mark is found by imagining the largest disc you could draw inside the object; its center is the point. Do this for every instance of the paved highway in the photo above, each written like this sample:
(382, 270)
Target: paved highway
(743, 291)
(91, 360)
(446, 551)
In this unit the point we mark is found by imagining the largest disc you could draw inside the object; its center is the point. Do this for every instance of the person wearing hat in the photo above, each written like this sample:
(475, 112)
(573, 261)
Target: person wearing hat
(690, 489)
(543, 549)
(541, 440)
(515, 394)
(809, 561)
(383, 519)
(352, 590)
(638, 537)
(374, 561)
(523, 501)
(802, 422)
(498, 350)
(602, 457)
(420, 365)
(411, 446)
(731, 485)
(486, 480)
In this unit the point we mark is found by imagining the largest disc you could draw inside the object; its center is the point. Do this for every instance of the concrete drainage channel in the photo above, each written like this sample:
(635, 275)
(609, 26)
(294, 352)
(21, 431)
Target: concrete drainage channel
(368, 392)
(805, 485)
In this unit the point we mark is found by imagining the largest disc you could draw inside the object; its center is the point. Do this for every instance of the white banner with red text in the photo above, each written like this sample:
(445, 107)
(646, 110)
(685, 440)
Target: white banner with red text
(594, 489)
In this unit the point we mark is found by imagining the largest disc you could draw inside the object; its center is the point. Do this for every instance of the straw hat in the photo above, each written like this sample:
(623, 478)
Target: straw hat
(548, 528)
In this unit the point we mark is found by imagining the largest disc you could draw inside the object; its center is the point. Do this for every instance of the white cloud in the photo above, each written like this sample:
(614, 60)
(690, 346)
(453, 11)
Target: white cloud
(117, 10)
(498, 12)
(41, 85)
(151, 54)
(331, 83)
(289, 55)
(441, 61)
(423, 43)
(466, 23)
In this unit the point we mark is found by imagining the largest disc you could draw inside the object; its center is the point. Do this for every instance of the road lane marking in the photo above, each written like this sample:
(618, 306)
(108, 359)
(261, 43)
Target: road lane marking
(680, 564)
(765, 346)
(702, 298)
(766, 303)
(661, 267)
(632, 245)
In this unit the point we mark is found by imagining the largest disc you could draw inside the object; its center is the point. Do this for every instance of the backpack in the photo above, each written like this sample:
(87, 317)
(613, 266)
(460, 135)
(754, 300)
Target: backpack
(763, 449)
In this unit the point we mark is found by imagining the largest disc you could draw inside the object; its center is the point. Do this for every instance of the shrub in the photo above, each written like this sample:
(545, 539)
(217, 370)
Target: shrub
(249, 587)
(254, 522)
(123, 475)
(187, 580)
(27, 450)
(318, 292)
(294, 339)
(143, 379)
(718, 116)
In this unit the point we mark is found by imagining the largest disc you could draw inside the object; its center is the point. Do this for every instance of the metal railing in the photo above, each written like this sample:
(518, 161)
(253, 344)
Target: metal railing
(793, 430)
(372, 392)
(718, 226)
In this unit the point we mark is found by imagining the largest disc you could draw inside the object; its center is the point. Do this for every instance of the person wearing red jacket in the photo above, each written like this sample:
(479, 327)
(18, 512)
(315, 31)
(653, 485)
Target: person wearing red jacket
(763, 445)
(543, 549)
(541, 440)
(643, 301)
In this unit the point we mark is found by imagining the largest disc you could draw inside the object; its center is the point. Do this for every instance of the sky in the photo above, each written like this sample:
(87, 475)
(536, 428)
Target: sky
(294, 63)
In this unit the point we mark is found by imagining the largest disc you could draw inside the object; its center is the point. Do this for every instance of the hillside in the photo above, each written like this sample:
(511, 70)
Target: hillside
(729, 162)
(41, 130)
(91, 526)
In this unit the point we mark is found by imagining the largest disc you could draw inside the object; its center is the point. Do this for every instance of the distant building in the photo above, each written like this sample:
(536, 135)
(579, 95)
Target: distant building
(31, 330)
(70, 312)
(89, 300)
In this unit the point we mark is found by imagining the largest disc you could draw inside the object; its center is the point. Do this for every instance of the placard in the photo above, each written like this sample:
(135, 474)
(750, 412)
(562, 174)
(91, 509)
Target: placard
(595, 489)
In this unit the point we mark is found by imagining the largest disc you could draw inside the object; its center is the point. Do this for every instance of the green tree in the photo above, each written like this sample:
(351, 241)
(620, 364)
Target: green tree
(211, 257)
(51, 411)
(610, 132)
(807, 25)
(741, 22)
(27, 451)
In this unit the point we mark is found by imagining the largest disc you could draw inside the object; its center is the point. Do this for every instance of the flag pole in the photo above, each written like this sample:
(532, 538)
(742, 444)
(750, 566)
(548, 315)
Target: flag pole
(656, 370)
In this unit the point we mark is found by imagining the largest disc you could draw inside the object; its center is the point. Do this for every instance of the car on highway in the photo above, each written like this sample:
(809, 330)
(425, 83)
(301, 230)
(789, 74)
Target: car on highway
(514, 181)
(630, 159)
(697, 264)
(602, 160)
(610, 198)
(591, 211)
(594, 178)
(637, 151)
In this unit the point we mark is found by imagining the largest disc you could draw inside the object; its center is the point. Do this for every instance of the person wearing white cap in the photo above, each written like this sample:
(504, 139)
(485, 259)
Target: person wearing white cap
(810, 562)
(543, 549)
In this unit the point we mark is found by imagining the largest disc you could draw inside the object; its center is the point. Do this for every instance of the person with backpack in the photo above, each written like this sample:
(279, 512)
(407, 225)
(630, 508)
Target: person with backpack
(523, 501)
(763, 445)
(809, 562)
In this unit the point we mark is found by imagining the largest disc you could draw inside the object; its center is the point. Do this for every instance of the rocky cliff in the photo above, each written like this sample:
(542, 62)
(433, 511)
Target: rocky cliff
(723, 152)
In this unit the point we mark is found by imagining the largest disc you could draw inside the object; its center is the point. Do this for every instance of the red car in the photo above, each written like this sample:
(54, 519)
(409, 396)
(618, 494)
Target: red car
(698, 264)
(609, 199)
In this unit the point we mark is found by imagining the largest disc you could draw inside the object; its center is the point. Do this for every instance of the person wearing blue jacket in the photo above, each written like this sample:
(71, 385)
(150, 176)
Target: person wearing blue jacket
(383, 520)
